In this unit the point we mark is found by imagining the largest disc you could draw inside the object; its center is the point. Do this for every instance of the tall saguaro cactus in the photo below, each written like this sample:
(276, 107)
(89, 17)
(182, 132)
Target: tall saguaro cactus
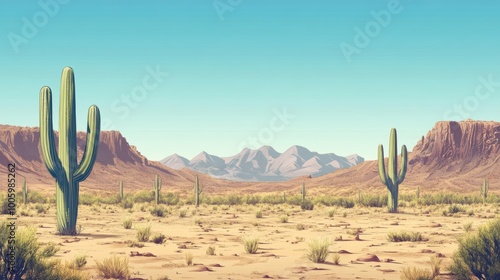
(121, 190)
(63, 164)
(392, 179)
(25, 192)
(197, 191)
(484, 189)
(157, 188)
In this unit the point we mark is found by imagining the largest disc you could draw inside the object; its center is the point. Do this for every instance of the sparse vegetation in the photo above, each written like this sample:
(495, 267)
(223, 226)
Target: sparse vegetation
(405, 236)
(211, 251)
(258, 214)
(114, 267)
(336, 259)
(284, 219)
(127, 223)
(477, 254)
(318, 250)
(158, 238)
(189, 259)
(251, 245)
(143, 233)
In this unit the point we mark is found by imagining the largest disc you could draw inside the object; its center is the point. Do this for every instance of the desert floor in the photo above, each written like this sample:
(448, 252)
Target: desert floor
(282, 247)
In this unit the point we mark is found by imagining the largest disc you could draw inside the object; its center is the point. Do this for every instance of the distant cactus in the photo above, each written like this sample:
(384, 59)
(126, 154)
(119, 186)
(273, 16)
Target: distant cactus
(359, 197)
(157, 189)
(485, 189)
(303, 192)
(62, 163)
(393, 179)
(121, 190)
(25, 192)
(418, 192)
(197, 191)
(284, 197)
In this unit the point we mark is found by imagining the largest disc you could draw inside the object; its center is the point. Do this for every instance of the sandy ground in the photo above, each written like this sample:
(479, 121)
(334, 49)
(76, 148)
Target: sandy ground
(283, 247)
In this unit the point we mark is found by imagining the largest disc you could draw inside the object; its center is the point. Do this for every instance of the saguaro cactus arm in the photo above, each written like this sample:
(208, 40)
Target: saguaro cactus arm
(381, 165)
(92, 146)
(404, 164)
(47, 141)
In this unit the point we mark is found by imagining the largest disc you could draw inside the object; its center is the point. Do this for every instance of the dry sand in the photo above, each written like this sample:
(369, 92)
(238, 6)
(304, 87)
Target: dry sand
(283, 247)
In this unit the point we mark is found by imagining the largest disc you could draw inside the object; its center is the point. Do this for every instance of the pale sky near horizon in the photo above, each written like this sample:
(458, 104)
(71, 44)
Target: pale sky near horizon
(332, 76)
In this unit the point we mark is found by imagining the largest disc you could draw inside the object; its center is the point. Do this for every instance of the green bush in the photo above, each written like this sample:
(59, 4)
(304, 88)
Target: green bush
(31, 261)
(143, 233)
(307, 205)
(318, 250)
(405, 236)
(479, 254)
(114, 267)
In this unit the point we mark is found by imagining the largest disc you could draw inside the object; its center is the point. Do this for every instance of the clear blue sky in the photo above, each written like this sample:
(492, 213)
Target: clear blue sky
(230, 69)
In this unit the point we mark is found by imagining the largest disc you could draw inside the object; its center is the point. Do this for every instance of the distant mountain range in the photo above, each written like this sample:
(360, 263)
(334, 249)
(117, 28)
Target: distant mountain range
(264, 164)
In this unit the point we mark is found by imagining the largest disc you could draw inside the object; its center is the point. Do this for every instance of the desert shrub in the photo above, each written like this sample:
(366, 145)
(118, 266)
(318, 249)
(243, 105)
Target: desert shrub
(318, 250)
(258, 214)
(211, 251)
(31, 261)
(454, 208)
(189, 258)
(467, 227)
(405, 236)
(49, 250)
(158, 238)
(170, 198)
(331, 213)
(284, 219)
(478, 255)
(272, 199)
(114, 267)
(415, 273)
(307, 205)
(135, 244)
(373, 200)
(300, 227)
(158, 211)
(251, 245)
(36, 197)
(336, 259)
(78, 262)
(143, 233)
(183, 213)
(127, 223)
(144, 196)
(127, 203)
(233, 199)
(88, 199)
(41, 209)
(251, 199)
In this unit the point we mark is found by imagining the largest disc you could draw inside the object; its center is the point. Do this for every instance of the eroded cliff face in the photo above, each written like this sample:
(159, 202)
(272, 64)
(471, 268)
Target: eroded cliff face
(457, 147)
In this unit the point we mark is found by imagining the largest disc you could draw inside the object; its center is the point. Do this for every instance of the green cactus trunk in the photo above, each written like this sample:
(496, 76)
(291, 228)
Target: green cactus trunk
(25, 192)
(392, 179)
(63, 166)
(284, 197)
(197, 191)
(157, 189)
(121, 191)
(484, 189)
(303, 192)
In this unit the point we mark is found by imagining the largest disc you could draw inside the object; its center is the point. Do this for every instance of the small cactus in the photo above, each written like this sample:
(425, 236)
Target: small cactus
(284, 197)
(197, 191)
(25, 192)
(484, 189)
(303, 192)
(418, 192)
(157, 189)
(121, 190)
